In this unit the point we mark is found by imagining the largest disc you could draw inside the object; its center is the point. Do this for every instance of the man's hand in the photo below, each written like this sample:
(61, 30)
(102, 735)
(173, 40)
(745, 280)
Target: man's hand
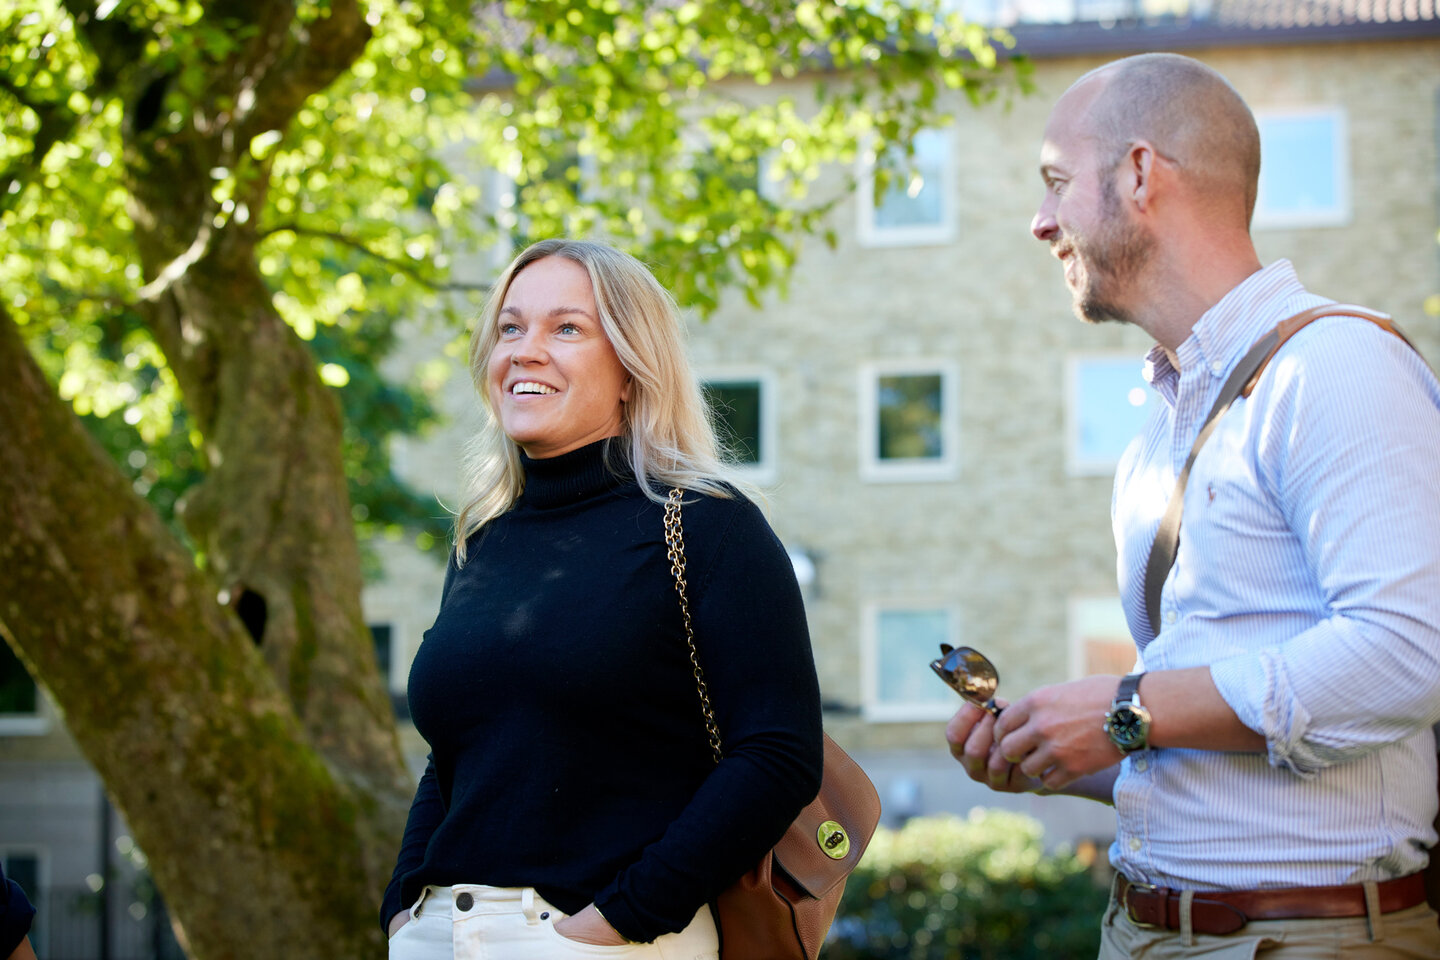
(971, 735)
(588, 926)
(1056, 734)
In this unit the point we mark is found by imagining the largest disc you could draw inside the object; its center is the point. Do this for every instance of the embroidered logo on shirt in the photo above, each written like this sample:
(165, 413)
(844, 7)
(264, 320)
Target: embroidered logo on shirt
(1210, 489)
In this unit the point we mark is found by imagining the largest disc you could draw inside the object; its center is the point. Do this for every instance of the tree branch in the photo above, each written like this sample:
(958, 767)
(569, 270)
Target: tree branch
(408, 269)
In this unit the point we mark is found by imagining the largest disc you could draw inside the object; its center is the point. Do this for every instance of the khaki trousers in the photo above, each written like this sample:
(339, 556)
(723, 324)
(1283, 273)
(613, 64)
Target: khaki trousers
(1410, 934)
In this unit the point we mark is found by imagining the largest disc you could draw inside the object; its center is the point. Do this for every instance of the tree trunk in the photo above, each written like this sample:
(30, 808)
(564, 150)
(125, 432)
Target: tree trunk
(255, 757)
(258, 847)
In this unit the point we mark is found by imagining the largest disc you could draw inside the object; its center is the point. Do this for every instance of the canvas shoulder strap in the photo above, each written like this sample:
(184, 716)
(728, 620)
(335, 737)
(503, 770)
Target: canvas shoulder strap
(1239, 384)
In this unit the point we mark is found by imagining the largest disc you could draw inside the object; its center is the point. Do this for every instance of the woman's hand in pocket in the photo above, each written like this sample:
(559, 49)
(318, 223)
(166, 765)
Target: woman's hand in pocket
(588, 926)
(398, 921)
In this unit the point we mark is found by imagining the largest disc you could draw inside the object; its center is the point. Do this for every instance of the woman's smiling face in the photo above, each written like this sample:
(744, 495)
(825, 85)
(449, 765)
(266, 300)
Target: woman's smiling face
(555, 381)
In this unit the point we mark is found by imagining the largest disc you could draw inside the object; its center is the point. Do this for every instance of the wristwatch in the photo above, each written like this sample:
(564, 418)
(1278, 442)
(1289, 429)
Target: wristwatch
(1128, 724)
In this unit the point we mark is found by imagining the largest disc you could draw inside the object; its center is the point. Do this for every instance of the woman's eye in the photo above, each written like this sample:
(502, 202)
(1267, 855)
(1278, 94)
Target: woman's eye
(508, 328)
(569, 328)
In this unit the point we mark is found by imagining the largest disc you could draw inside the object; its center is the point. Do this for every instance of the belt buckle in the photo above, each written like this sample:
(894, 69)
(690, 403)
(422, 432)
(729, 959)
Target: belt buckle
(1130, 886)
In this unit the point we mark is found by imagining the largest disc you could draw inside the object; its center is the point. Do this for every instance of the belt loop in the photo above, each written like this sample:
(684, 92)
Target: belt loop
(1187, 923)
(1372, 911)
(527, 906)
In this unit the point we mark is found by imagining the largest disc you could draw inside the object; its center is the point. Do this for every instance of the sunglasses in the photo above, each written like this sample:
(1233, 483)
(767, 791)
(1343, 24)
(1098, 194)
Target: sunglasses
(969, 673)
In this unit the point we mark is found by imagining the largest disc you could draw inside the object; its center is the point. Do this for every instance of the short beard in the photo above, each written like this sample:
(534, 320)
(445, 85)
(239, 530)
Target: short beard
(1115, 258)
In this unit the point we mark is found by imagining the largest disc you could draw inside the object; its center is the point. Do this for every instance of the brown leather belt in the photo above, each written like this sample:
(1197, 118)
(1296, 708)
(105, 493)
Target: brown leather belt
(1228, 911)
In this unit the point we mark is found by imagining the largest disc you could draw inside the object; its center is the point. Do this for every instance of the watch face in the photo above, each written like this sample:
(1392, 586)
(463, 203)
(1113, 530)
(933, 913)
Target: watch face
(1128, 727)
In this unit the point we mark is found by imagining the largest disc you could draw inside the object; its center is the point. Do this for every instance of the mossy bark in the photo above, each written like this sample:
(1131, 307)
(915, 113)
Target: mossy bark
(261, 846)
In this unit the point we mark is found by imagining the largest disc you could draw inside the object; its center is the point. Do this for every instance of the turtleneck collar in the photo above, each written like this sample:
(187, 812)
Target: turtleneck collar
(571, 477)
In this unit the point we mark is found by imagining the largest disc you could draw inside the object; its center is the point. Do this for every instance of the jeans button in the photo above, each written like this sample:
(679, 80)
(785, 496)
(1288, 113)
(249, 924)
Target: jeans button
(464, 902)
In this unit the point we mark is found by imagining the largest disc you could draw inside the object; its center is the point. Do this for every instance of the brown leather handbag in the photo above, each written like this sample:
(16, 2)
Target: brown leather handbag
(782, 909)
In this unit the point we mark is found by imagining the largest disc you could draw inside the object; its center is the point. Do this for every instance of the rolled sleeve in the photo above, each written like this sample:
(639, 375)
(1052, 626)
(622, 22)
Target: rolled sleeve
(1350, 455)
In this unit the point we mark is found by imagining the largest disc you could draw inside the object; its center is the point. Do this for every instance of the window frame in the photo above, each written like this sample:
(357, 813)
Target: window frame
(1342, 212)
(767, 469)
(1077, 464)
(946, 231)
(872, 708)
(873, 469)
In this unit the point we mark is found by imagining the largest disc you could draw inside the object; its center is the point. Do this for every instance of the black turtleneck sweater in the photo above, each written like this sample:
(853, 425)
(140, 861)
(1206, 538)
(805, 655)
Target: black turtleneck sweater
(568, 750)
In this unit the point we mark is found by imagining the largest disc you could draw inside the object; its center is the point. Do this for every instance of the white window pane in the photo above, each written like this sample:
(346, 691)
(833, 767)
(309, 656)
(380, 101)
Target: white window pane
(1299, 163)
(1304, 169)
(907, 641)
(1110, 404)
(916, 198)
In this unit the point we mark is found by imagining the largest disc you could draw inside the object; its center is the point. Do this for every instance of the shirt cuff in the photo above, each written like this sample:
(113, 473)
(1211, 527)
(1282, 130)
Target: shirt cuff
(1256, 687)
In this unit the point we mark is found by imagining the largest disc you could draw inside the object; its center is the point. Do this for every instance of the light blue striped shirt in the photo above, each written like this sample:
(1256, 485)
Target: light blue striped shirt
(1308, 579)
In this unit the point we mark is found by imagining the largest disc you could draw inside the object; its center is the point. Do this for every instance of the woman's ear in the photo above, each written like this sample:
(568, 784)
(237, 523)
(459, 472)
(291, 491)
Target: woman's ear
(625, 389)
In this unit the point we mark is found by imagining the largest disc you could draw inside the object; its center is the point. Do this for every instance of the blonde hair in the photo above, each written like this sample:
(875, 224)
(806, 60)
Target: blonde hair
(667, 434)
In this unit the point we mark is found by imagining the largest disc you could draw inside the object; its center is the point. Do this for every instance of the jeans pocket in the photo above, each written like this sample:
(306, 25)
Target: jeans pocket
(565, 947)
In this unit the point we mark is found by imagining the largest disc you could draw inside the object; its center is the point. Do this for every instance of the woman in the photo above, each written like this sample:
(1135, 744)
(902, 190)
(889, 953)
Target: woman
(571, 797)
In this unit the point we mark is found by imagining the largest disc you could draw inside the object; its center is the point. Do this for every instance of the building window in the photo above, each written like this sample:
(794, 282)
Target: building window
(918, 205)
(1099, 638)
(1304, 169)
(909, 422)
(381, 636)
(1107, 404)
(20, 711)
(744, 415)
(898, 644)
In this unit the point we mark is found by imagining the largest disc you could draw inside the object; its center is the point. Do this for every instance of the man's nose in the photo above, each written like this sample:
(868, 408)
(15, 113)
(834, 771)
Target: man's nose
(1043, 226)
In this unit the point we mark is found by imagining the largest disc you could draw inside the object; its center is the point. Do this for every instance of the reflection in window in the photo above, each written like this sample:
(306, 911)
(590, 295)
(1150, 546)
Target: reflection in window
(899, 682)
(918, 203)
(1304, 169)
(736, 407)
(909, 417)
(1099, 638)
(1109, 402)
(908, 422)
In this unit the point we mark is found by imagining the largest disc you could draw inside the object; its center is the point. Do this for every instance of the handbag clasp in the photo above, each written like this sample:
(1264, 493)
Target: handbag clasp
(833, 840)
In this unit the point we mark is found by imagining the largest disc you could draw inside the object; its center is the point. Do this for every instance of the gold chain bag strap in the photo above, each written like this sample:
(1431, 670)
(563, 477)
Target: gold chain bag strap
(783, 908)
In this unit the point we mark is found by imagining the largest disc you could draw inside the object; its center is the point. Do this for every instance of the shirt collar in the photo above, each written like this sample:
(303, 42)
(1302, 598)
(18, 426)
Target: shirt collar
(1224, 332)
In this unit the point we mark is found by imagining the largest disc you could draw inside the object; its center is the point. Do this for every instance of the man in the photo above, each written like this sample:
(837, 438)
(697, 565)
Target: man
(1271, 761)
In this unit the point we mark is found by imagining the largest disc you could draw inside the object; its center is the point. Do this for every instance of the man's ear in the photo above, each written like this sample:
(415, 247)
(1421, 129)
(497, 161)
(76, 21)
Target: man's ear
(1139, 171)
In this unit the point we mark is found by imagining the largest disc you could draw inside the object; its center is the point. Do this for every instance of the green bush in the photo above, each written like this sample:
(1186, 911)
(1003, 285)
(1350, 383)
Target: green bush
(972, 888)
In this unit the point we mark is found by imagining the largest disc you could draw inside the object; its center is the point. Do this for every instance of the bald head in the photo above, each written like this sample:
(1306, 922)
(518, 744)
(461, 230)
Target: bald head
(1188, 112)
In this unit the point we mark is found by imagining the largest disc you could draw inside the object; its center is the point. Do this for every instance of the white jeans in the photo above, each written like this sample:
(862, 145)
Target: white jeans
(516, 922)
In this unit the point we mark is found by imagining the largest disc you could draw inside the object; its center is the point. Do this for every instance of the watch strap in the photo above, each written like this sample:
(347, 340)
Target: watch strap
(1129, 691)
